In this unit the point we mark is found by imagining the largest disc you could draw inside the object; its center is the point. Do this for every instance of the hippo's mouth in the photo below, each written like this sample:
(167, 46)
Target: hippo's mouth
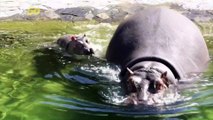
(145, 86)
(163, 96)
(145, 93)
(89, 51)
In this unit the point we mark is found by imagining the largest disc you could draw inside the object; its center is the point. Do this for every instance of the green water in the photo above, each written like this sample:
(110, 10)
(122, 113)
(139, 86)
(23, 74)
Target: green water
(38, 82)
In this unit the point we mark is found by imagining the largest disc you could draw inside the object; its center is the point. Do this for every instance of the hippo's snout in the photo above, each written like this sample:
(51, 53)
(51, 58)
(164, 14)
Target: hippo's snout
(89, 51)
(143, 93)
(92, 51)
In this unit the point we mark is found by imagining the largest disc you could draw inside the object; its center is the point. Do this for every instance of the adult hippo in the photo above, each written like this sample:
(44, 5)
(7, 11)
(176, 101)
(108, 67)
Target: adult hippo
(155, 48)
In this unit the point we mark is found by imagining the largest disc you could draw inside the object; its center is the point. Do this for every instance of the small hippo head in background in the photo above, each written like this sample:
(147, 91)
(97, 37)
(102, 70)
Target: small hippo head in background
(145, 85)
(75, 45)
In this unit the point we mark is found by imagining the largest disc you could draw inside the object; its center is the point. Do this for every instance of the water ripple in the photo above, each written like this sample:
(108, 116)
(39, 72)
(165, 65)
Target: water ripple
(96, 108)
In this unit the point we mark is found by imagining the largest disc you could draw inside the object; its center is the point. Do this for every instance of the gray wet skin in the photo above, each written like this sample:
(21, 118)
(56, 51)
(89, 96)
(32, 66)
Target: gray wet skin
(155, 48)
(146, 84)
(75, 45)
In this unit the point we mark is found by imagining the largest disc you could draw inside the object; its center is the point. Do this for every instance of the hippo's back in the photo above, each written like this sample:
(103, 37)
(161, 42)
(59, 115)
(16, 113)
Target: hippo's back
(161, 33)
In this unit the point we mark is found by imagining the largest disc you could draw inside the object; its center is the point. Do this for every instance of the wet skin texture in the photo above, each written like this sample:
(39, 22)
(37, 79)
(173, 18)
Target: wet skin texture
(155, 48)
(75, 45)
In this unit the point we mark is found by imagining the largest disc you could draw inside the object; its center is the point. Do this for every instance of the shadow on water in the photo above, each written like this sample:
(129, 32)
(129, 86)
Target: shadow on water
(47, 61)
(54, 66)
(94, 89)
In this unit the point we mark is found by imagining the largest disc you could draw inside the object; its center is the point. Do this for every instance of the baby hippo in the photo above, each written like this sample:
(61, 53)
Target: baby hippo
(78, 45)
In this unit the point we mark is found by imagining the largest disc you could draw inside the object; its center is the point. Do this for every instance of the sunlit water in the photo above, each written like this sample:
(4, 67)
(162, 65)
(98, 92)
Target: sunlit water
(39, 82)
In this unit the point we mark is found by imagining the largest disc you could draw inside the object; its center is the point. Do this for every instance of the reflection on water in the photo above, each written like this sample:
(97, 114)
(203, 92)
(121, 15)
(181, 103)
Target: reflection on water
(43, 83)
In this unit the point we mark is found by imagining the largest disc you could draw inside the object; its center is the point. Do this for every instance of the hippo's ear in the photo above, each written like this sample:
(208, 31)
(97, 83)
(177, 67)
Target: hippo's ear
(73, 37)
(84, 35)
(130, 71)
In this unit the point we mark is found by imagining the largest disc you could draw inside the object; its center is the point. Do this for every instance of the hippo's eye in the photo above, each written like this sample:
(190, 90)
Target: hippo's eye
(158, 86)
(131, 86)
(86, 41)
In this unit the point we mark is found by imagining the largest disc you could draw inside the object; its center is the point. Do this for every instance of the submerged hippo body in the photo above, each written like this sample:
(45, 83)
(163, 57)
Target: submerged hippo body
(157, 44)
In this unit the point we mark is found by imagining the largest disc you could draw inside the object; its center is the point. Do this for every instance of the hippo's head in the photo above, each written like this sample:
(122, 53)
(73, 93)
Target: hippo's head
(76, 45)
(80, 45)
(145, 86)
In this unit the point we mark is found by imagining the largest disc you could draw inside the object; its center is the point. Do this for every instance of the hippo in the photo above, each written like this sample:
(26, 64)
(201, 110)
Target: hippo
(75, 44)
(156, 48)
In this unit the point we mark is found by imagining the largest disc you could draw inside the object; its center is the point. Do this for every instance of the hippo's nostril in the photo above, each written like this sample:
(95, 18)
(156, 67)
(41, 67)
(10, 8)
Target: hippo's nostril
(91, 51)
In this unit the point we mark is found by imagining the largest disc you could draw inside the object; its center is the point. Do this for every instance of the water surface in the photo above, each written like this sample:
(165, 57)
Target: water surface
(39, 82)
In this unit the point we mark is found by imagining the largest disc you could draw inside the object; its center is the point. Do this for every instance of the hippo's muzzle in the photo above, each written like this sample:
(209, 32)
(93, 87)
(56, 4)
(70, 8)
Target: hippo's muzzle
(145, 86)
(89, 51)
